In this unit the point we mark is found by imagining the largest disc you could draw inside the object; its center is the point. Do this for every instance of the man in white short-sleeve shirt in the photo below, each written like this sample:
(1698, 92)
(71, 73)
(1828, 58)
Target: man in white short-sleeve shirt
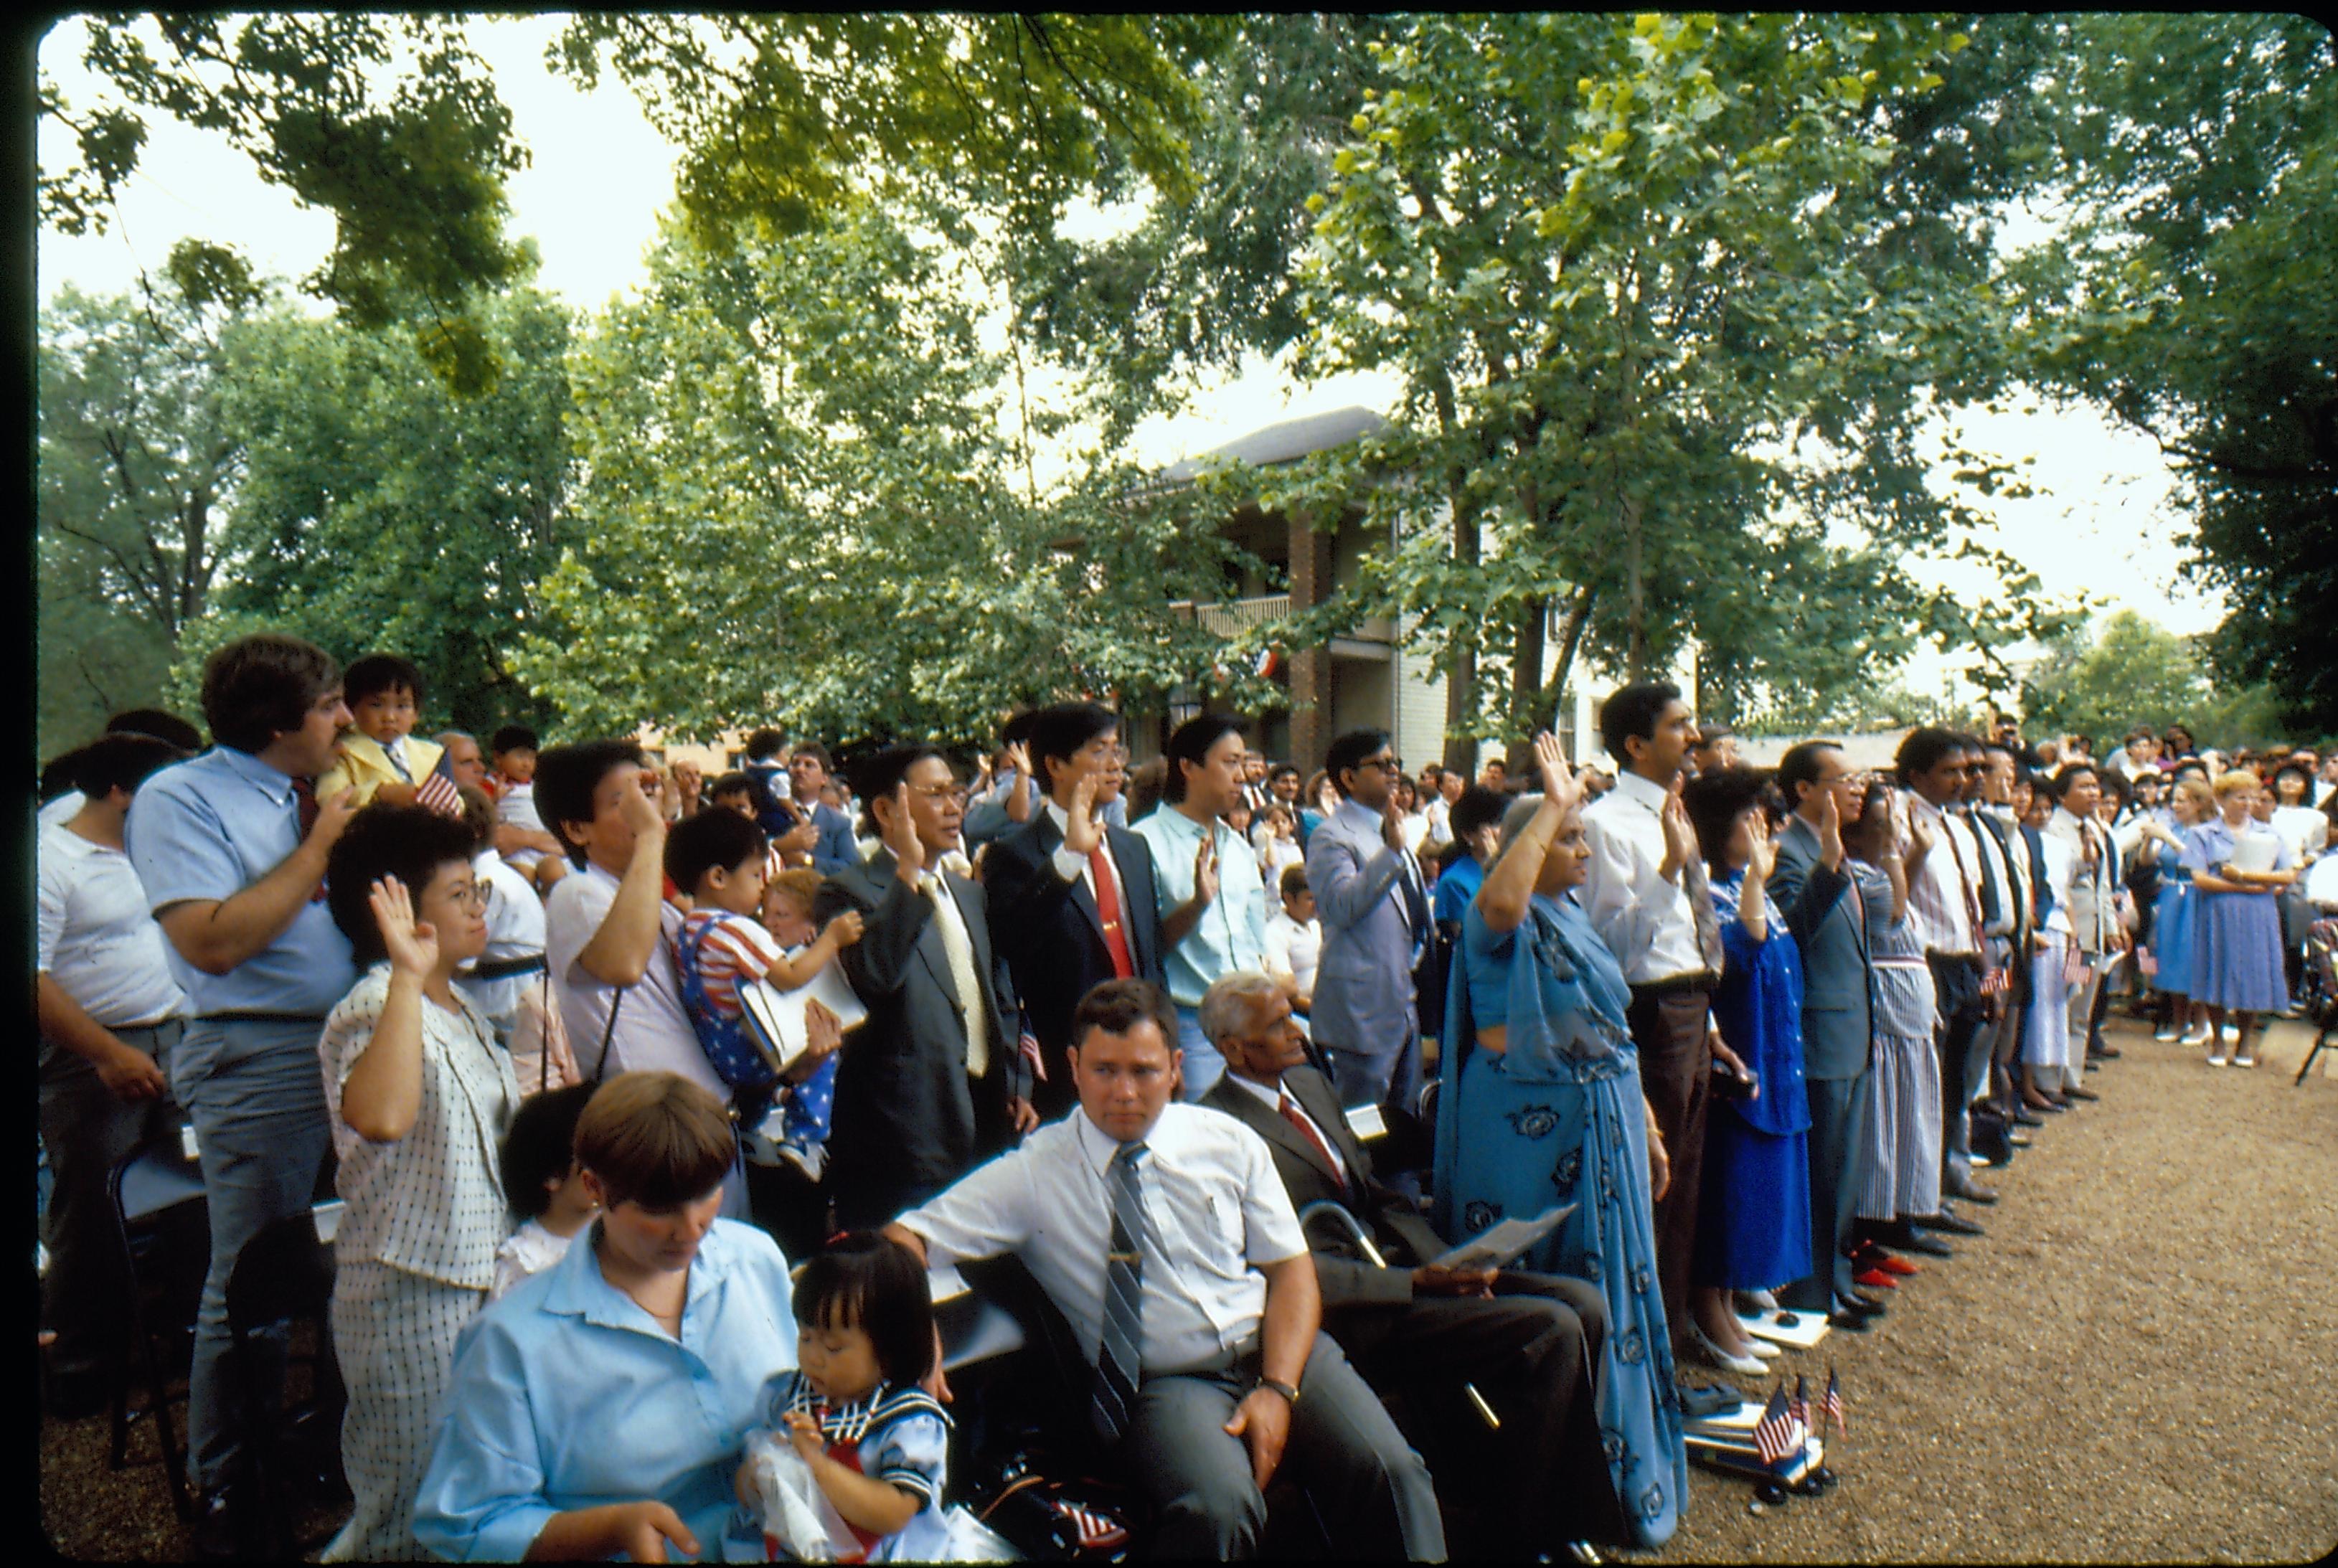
(608, 928)
(1162, 1234)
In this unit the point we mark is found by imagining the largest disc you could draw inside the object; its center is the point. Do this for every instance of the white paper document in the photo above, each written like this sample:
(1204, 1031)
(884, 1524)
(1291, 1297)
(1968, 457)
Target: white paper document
(780, 1014)
(1505, 1243)
(2256, 852)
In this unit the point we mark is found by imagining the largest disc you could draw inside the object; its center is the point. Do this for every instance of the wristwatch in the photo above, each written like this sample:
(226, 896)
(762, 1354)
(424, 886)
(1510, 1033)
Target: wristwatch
(1288, 1391)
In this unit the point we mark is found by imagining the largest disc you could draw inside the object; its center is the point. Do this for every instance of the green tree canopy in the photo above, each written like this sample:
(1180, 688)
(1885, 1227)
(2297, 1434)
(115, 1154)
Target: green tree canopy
(2134, 673)
(799, 508)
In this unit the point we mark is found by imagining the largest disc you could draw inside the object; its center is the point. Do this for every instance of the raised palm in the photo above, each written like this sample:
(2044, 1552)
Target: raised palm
(1559, 782)
(412, 946)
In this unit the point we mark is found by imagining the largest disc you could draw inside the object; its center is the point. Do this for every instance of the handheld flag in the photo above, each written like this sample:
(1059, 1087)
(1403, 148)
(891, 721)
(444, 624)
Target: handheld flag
(438, 792)
(1773, 1435)
(1798, 1408)
(1831, 1403)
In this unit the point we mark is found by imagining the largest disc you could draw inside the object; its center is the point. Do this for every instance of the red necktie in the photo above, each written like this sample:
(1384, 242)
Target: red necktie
(304, 802)
(1107, 902)
(1290, 1108)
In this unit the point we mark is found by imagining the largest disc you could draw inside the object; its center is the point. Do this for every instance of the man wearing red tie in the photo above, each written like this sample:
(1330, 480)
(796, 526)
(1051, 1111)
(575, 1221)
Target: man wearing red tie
(1529, 1342)
(1072, 901)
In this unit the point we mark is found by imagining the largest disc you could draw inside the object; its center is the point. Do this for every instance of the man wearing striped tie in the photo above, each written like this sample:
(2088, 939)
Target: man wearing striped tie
(1162, 1234)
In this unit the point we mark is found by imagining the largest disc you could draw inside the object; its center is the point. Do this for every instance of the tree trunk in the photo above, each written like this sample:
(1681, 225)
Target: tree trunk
(194, 565)
(1461, 681)
(1635, 593)
(1570, 642)
(1526, 682)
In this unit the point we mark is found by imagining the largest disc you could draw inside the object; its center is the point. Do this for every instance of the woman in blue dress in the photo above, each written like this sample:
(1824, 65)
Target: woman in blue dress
(1754, 1223)
(2174, 939)
(1540, 1104)
(2238, 946)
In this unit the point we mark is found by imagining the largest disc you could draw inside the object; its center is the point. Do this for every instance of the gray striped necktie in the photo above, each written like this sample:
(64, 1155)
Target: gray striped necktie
(1113, 1402)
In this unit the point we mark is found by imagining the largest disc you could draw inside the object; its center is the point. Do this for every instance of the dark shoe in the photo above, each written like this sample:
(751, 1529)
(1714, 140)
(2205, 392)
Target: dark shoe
(1849, 1322)
(221, 1532)
(2075, 1093)
(2092, 1066)
(1917, 1241)
(2108, 1053)
(1700, 1402)
(1970, 1193)
(1954, 1224)
(2025, 1117)
(1868, 1255)
(1855, 1302)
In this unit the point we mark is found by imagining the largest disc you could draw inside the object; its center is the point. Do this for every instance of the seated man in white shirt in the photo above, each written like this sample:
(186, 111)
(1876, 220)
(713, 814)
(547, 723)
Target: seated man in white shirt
(1162, 1234)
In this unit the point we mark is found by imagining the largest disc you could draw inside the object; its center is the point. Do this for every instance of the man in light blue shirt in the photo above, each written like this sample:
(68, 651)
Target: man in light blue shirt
(1212, 900)
(231, 848)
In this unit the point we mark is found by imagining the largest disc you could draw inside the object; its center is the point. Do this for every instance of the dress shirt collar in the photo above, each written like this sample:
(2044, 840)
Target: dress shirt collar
(1358, 816)
(2078, 823)
(1268, 1094)
(1916, 802)
(270, 779)
(1100, 1148)
(579, 1289)
(1641, 791)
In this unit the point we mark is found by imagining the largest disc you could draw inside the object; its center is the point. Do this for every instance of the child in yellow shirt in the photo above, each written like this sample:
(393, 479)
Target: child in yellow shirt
(382, 756)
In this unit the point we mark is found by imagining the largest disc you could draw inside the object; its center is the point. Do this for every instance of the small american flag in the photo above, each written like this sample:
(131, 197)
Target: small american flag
(1029, 1047)
(438, 791)
(1096, 1531)
(1995, 982)
(1831, 1403)
(1798, 1408)
(1775, 1435)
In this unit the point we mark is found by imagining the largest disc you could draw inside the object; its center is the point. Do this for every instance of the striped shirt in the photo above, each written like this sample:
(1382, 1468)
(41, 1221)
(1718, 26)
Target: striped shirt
(736, 947)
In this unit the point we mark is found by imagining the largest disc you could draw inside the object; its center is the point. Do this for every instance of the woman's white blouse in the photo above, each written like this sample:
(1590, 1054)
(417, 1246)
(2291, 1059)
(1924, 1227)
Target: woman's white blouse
(431, 1202)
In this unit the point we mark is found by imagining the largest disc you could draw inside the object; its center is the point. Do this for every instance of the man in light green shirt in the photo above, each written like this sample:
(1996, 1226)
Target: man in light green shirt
(1213, 902)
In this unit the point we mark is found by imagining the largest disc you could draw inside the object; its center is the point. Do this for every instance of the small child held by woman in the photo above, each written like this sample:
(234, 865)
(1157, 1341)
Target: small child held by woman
(541, 1184)
(853, 1410)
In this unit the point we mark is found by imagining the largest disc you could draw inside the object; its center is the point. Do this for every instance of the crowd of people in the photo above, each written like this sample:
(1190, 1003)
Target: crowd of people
(1229, 1056)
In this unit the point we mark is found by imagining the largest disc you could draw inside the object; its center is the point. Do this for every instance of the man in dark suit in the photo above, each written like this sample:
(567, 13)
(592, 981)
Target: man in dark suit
(1824, 913)
(1530, 1343)
(1072, 902)
(833, 848)
(932, 1083)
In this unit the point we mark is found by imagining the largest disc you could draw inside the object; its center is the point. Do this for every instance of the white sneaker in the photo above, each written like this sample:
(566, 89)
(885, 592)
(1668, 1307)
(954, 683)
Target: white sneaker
(2244, 1061)
(2216, 1057)
(2164, 1036)
(2230, 1033)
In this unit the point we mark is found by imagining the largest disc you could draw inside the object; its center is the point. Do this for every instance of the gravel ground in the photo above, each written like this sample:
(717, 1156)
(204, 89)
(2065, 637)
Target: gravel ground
(2138, 1363)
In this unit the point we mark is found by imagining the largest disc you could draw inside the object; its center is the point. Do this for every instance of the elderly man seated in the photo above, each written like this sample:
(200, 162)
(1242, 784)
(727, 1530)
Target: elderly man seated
(1530, 1342)
(1160, 1233)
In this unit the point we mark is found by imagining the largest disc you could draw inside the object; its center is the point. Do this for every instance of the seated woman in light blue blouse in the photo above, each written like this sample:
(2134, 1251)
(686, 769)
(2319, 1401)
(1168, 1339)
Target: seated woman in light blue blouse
(1540, 1104)
(601, 1407)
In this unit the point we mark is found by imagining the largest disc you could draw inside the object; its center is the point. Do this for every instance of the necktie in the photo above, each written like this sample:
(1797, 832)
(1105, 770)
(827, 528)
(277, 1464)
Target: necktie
(1708, 919)
(1121, 1347)
(304, 806)
(1414, 902)
(396, 752)
(963, 979)
(1291, 1113)
(1107, 903)
(1964, 885)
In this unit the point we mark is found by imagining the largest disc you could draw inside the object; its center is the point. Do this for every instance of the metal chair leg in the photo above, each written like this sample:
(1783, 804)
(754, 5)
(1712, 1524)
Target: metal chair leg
(2320, 1040)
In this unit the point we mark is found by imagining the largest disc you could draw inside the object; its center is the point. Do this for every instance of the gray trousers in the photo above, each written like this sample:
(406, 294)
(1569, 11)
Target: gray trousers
(1838, 1152)
(1971, 1083)
(88, 1130)
(1372, 1490)
(1388, 1076)
(256, 1092)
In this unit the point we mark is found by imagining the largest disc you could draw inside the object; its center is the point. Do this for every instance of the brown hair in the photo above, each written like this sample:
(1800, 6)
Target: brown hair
(655, 1139)
(2233, 780)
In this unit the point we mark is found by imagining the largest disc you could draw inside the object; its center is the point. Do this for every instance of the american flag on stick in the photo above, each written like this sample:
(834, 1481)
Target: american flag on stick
(437, 791)
(1775, 1435)
(1798, 1408)
(1831, 1403)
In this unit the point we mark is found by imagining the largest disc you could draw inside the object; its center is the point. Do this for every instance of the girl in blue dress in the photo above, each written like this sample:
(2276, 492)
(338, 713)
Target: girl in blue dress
(1753, 1224)
(875, 1442)
(2238, 947)
(1540, 1104)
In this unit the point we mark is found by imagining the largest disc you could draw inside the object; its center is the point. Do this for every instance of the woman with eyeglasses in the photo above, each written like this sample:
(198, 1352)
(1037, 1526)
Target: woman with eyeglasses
(419, 1097)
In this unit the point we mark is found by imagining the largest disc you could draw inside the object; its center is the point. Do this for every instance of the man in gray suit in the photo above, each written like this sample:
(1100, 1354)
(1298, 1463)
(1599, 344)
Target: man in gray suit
(1374, 903)
(1823, 911)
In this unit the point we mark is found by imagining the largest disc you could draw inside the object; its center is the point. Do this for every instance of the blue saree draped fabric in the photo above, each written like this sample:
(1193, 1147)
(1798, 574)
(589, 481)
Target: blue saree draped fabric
(1558, 1118)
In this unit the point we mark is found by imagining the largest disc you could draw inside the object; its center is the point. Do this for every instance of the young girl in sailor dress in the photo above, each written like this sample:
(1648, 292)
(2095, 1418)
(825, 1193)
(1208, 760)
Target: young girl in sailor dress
(876, 1442)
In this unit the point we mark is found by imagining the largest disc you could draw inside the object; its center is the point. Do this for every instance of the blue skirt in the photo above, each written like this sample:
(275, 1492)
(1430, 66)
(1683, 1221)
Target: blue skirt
(1526, 1144)
(2174, 940)
(1753, 1219)
(2238, 943)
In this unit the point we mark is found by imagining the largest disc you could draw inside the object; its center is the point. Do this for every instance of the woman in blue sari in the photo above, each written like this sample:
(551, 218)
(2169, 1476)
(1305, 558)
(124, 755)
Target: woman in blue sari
(1540, 1104)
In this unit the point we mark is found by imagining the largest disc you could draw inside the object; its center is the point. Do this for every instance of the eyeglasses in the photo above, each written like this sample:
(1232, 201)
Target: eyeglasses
(940, 792)
(1385, 764)
(475, 894)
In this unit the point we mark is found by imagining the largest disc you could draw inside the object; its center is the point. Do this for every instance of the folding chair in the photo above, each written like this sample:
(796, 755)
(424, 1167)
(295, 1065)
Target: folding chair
(162, 1226)
(283, 1273)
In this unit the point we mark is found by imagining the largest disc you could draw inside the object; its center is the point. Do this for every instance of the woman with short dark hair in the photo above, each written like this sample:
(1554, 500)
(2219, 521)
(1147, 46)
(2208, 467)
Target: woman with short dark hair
(420, 1095)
